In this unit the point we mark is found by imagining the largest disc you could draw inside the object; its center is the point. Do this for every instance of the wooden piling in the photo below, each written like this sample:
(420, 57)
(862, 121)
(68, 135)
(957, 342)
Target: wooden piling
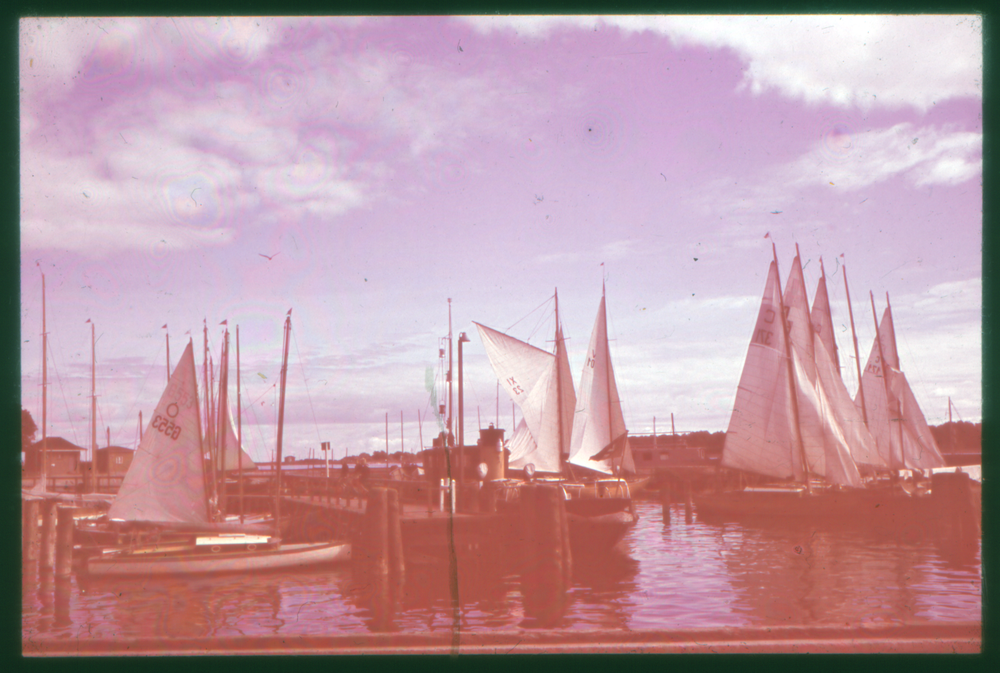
(567, 553)
(47, 553)
(397, 564)
(30, 530)
(64, 542)
(548, 531)
(547, 567)
(376, 531)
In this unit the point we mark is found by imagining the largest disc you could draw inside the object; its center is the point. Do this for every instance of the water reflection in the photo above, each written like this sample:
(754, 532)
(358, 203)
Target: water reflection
(668, 574)
(789, 573)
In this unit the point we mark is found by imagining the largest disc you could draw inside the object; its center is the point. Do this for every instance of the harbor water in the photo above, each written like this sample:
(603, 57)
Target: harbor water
(673, 570)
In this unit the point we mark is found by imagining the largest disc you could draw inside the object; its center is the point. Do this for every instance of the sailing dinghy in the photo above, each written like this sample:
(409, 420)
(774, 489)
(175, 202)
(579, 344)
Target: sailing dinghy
(166, 488)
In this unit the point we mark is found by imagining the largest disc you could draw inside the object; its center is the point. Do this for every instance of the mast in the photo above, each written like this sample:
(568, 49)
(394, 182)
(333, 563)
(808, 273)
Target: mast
(899, 404)
(822, 276)
(857, 356)
(885, 383)
(449, 441)
(210, 477)
(45, 402)
(791, 379)
(607, 378)
(222, 416)
(281, 417)
(168, 354)
(239, 421)
(93, 401)
(559, 382)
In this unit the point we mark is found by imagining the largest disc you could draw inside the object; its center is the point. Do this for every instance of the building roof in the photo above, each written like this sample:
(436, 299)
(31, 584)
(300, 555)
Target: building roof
(115, 449)
(56, 444)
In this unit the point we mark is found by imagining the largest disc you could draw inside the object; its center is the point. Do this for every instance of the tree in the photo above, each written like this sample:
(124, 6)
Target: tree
(28, 429)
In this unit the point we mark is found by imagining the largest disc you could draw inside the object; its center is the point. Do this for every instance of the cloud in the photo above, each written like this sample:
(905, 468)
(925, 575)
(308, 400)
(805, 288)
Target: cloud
(924, 156)
(863, 61)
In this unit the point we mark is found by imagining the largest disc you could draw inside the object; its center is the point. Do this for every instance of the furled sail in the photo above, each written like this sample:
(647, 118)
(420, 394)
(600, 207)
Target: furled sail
(166, 480)
(529, 376)
(599, 421)
(760, 437)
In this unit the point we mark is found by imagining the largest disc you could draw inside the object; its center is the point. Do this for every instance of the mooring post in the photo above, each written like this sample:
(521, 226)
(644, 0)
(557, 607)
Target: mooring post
(30, 530)
(377, 531)
(47, 554)
(549, 531)
(64, 541)
(567, 554)
(397, 563)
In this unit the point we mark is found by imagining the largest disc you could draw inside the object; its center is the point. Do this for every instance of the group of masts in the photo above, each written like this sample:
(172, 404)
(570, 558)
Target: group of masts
(879, 370)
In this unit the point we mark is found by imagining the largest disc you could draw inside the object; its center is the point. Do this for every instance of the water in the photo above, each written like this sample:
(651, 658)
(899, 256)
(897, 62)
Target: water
(674, 575)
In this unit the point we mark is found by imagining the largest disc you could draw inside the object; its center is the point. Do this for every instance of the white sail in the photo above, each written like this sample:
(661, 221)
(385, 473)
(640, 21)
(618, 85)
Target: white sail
(909, 428)
(862, 445)
(824, 443)
(231, 458)
(876, 404)
(521, 446)
(798, 320)
(822, 321)
(166, 480)
(599, 420)
(529, 376)
(567, 403)
(761, 437)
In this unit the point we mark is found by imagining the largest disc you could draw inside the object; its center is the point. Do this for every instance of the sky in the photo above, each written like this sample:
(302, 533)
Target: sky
(363, 171)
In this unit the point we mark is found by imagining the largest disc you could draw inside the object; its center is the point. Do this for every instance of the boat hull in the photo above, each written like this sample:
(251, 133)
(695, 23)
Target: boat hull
(184, 563)
(596, 534)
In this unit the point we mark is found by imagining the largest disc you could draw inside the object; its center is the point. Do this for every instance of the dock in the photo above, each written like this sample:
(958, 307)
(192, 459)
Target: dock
(953, 638)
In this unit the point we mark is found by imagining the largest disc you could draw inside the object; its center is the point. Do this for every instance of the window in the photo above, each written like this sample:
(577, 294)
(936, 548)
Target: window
(118, 460)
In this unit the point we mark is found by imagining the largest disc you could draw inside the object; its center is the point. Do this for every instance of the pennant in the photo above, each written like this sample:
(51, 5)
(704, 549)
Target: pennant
(164, 327)
(225, 322)
(289, 312)
(88, 320)
(767, 235)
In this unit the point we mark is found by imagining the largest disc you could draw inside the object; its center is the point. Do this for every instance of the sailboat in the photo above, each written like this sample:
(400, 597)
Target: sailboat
(165, 488)
(901, 433)
(793, 421)
(599, 511)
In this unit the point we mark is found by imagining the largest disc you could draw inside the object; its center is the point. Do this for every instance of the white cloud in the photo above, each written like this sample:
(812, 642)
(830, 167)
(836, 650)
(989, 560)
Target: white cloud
(924, 155)
(860, 61)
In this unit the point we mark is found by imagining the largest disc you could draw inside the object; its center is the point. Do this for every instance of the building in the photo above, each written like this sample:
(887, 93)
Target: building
(62, 455)
(665, 451)
(114, 460)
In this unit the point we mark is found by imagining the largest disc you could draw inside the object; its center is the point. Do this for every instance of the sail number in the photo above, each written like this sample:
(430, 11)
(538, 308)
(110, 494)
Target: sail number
(514, 387)
(874, 366)
(762, 337)
(167, 427)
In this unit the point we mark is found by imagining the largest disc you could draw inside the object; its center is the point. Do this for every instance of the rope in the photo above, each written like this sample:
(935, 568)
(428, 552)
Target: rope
(306, 381)
(65, 402)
